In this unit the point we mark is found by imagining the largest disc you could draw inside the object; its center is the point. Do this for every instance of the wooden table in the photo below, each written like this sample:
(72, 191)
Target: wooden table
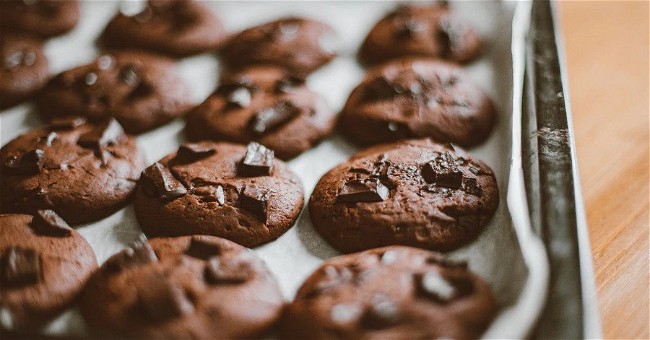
(607, 55)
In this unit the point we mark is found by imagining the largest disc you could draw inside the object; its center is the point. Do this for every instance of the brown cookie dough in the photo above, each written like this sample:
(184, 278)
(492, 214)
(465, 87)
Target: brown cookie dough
(411, 98)
(82, 171)
(45, 18)
(227, 190)
(178, 28)
(416, 30)
(23, 68)
(415, 193)
(298, 45)
(266, 105)
(44, 264)
(140, 90)
(391, 293)
(187, 287)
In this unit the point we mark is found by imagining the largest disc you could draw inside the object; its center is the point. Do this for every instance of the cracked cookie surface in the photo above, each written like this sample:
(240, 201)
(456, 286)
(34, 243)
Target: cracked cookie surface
(416, 193)
(82, 171)
(233, 191)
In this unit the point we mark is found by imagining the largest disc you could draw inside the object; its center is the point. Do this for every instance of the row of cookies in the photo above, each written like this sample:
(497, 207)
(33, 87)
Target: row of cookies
(205, 287)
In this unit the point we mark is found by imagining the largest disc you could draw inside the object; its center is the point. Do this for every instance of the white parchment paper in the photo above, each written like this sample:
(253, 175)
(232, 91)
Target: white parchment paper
(507, 254)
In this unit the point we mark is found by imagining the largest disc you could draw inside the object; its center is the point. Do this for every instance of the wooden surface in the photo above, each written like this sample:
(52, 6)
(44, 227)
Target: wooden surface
(607, 56)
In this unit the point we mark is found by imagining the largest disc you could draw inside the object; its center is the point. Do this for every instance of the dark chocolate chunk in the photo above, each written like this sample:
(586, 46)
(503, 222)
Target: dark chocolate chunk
(255, 200)
(128, 75)
(471, 186)
(158, 181)
(20, 267)
(66, 123)
(163, 300)
(228, 271)
(433, 286)
(363, 190)
(258, 161)
(380, 89)
(30, 163)
(139, 253)
(442, 171)
(475, 170)
(210, 194)
(107, 133)
(202, 250)
(273, 117)
(47, 222)
(381, 314)
(191, 152)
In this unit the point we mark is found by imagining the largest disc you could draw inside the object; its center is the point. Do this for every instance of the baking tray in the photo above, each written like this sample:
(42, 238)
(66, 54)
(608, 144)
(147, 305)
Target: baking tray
(511, 254)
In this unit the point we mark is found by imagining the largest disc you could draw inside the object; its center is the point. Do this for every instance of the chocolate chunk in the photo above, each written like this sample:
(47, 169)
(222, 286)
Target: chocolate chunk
(191, 152)
(20, 267)
(333, 277)
(381, 314)
(241, 97)
(47, 222)
(158, 181)
(139, 253)
(380, 89)
(128, 75)
(258, 161)
(210, 194)
(471, 186)
(273, 117)
(363, 190)
(229, 271)
(162, 300)
(475, 170)
(433, 286)
(443, 172)
(29, 163)
(107, 133)
(408, 28)
(202, 250)
(255, 200)
(66, 123)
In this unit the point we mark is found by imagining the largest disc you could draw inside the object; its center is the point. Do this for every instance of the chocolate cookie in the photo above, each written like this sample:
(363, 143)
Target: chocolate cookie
(141, 91)
(263, 104)
(418, 98)
(199, 287)
(428, 31)
(82, 171)
(44, 264)
(23, 70)
(45, 18)
(226, 190)
(298, 45)
(391, 293)
(178, 28)
(415, 193)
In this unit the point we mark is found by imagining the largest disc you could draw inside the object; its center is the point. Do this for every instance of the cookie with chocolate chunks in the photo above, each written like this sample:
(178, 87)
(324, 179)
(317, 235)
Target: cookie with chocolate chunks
(199, 287)
(416, 98)
(43, 267)
(266, 105)
(433, 31)
(390, 293)
(415, 193)
(141, 91)
(178, 28)
(298, 45)
(44, 18)
(237, 192)
(82, 171)
(23, 68)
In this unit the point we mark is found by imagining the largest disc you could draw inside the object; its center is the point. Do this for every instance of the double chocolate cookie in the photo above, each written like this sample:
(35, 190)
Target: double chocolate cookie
(418, 98)
(82, 171)
(267, 105)
(427, 31)
(44, 264)
(174, 27)
(298, 45)
(227, 190)
(415, 193)
(391, 293)
(23, 70)
(44, 18)
(140, 90)
(199, 287)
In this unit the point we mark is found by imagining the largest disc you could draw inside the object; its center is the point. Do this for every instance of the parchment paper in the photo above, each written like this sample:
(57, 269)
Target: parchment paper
(507, 255)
